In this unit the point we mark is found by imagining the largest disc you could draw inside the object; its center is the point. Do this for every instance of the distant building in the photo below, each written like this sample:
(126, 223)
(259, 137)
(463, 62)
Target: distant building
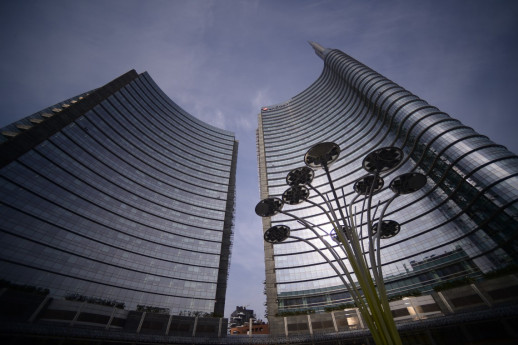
(121, 199)
(240, 316)
(463, 223)
(257, 328)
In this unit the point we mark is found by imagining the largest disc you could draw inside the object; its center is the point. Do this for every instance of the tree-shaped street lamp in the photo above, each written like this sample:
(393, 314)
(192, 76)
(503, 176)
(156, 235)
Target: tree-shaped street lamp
(367, 289)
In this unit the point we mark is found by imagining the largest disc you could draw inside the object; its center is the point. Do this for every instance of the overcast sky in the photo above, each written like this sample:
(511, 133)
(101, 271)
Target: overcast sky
(222, 60)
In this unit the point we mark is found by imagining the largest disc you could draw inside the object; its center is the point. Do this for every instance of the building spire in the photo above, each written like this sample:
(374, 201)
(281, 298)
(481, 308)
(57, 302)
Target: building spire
(321, 51)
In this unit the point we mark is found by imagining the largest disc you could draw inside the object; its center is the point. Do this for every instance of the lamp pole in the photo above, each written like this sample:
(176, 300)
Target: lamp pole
(364, 280)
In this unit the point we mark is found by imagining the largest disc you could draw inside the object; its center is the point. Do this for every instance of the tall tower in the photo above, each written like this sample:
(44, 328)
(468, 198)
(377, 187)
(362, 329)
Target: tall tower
(463, 223)
(119, 195)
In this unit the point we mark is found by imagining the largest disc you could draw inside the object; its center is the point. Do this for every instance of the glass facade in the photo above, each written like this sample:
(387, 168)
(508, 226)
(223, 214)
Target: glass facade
(464, 222)
(123, 196)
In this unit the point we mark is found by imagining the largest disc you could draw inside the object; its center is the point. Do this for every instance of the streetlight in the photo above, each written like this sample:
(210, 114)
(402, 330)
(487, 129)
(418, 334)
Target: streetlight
(366, 265)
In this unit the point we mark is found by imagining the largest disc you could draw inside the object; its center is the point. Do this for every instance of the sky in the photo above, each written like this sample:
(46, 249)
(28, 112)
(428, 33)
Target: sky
(222, 60)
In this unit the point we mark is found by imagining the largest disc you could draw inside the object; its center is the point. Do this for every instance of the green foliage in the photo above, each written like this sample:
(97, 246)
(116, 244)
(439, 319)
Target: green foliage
(95, 300)
(509, 269)
(295, 312)
(340, 307)
(191, 313)
(25, 288)
(214, 315)
(413, 293)
(454, 283)
(151, 309)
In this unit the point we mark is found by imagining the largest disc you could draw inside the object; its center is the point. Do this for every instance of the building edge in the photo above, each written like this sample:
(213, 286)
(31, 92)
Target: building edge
(66, 113)
(26, 140)
(270, 283)
(228, 234)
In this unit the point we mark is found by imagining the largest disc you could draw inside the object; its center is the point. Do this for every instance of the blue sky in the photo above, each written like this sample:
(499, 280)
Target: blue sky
(222, 60)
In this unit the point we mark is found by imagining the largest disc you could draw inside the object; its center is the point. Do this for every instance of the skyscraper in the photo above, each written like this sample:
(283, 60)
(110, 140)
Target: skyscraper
(119, 195)
(464, 222)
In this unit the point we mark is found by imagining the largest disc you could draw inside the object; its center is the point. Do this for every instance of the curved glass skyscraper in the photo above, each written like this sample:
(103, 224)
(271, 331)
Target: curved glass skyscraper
(119, 195)
(464, 222)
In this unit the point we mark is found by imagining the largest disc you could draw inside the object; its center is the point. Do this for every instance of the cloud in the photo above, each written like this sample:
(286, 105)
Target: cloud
(261, 99)
(223, 60)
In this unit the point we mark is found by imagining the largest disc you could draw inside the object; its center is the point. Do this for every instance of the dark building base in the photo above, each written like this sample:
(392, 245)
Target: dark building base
(490, 326)
(474, 314)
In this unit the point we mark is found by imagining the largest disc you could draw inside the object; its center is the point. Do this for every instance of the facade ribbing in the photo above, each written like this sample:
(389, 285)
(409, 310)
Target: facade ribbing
(463, 223)
(119, 195)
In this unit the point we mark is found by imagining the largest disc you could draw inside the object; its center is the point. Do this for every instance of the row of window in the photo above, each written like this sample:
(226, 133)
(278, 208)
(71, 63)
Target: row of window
(375, 112)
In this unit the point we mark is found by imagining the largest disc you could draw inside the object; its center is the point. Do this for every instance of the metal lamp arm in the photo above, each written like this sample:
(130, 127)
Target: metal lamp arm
(378, 248)
(344, 220)
(331, 250)
(334, 221)
(368, 288)
(359, 301)
(331, 210)
(325, 258)
(369, 231)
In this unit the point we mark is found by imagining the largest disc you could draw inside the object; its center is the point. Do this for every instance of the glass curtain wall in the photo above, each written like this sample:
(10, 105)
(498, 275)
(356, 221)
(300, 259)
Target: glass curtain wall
(462, 223)
(132, 202)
